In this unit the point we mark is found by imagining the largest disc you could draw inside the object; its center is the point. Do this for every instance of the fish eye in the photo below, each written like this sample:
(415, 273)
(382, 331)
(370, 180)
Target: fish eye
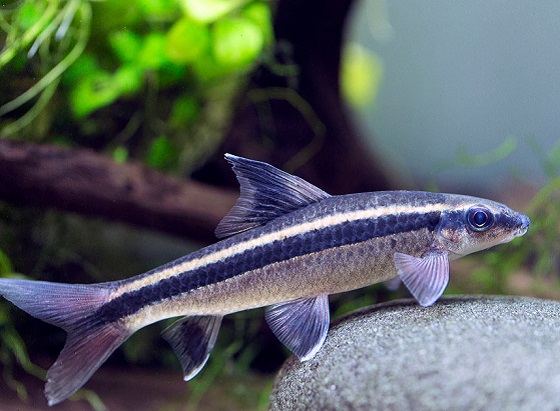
(480, 219)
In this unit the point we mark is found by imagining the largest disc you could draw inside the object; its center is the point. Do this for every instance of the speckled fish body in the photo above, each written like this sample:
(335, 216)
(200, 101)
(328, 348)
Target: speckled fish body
(290, 245)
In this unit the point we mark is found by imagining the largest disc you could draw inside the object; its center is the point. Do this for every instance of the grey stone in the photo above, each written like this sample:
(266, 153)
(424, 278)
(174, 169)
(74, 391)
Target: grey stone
(463, 353)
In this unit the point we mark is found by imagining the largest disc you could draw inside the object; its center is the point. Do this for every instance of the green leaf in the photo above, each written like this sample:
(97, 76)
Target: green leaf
(16, 345)
(360, 75)
(153, 54)
(466, 159)
(162, 154)
(186, 110)
(207, 11)
(120, 155)
(93, 92)
(5, 317)
(28, 14)
(86, 65)
(5, 265)
(236, 42)
(171, 74)
(207, 69)
(260, 14)
(186, 40)
(126, 45)
(109, 16)
(129, 79)
(158, 9)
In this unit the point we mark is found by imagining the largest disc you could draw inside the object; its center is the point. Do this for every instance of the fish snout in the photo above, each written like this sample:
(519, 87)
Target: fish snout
(523, 225)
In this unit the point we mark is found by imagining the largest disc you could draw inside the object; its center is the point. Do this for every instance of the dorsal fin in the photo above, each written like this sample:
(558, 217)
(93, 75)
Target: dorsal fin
(266, 193)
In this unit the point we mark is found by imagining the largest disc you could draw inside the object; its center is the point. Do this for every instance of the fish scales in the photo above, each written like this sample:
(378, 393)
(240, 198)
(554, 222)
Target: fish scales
(312, 240)
(289, 245)
(330, 271)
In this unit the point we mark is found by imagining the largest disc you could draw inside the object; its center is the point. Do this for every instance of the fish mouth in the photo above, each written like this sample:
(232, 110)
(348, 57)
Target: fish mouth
(523, 225)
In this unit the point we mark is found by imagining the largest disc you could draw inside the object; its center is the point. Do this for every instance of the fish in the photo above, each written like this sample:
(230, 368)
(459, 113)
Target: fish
(285, 245)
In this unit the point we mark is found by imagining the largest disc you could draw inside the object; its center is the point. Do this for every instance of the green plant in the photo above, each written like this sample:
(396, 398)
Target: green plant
(154, 80)
(41, 32)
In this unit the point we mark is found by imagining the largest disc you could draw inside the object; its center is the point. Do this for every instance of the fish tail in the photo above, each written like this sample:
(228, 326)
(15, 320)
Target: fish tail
(72, 308)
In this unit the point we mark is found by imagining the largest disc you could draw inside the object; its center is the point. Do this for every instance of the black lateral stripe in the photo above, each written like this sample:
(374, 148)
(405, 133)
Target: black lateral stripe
(335, 236)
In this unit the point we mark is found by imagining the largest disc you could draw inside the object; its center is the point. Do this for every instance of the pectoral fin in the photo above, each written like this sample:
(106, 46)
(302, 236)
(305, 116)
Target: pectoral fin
(192, 339)
(425, 277)
(301, 325)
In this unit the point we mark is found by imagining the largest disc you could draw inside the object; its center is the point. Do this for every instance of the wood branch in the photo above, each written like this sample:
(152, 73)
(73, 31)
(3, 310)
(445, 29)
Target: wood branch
(86, 182)
(297, 122)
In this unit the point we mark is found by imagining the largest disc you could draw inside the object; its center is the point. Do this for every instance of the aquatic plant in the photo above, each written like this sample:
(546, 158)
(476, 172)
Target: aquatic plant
(155, 80)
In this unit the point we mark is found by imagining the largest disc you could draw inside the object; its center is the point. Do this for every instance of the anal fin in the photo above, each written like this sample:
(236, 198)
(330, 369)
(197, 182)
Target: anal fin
(301, 325)
(192, 338)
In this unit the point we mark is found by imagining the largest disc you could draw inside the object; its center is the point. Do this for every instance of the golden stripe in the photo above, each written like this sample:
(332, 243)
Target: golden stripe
(287, 232)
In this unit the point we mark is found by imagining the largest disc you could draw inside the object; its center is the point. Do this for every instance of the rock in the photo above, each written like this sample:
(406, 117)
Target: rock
(463, 353)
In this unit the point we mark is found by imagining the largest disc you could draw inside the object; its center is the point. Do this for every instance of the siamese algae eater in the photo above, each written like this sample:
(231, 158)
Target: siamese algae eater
(286, 245)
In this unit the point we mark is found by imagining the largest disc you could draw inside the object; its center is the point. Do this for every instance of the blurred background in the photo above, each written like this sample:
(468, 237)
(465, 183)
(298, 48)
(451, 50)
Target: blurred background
(459, 81)
(114, 118)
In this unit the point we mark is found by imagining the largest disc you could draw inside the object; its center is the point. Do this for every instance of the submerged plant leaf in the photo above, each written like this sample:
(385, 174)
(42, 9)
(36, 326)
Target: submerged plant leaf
(360, 75)
(158, 10)
(126, 44)
(185, 110)
(128, 79)
(465, 159)
(93, 92)
(29, 13)
(206, 11)
(153, 53)
(236, 42)
(260, 14)
(162, 154)
(5, 264)
(120, 155)
(186, 40)
(84, 66)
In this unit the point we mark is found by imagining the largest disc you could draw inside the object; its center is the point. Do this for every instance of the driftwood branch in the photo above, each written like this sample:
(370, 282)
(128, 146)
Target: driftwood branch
(86, 182)
(297, 122)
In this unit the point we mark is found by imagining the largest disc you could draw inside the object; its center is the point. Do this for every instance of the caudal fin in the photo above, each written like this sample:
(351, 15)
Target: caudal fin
(71, 307)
